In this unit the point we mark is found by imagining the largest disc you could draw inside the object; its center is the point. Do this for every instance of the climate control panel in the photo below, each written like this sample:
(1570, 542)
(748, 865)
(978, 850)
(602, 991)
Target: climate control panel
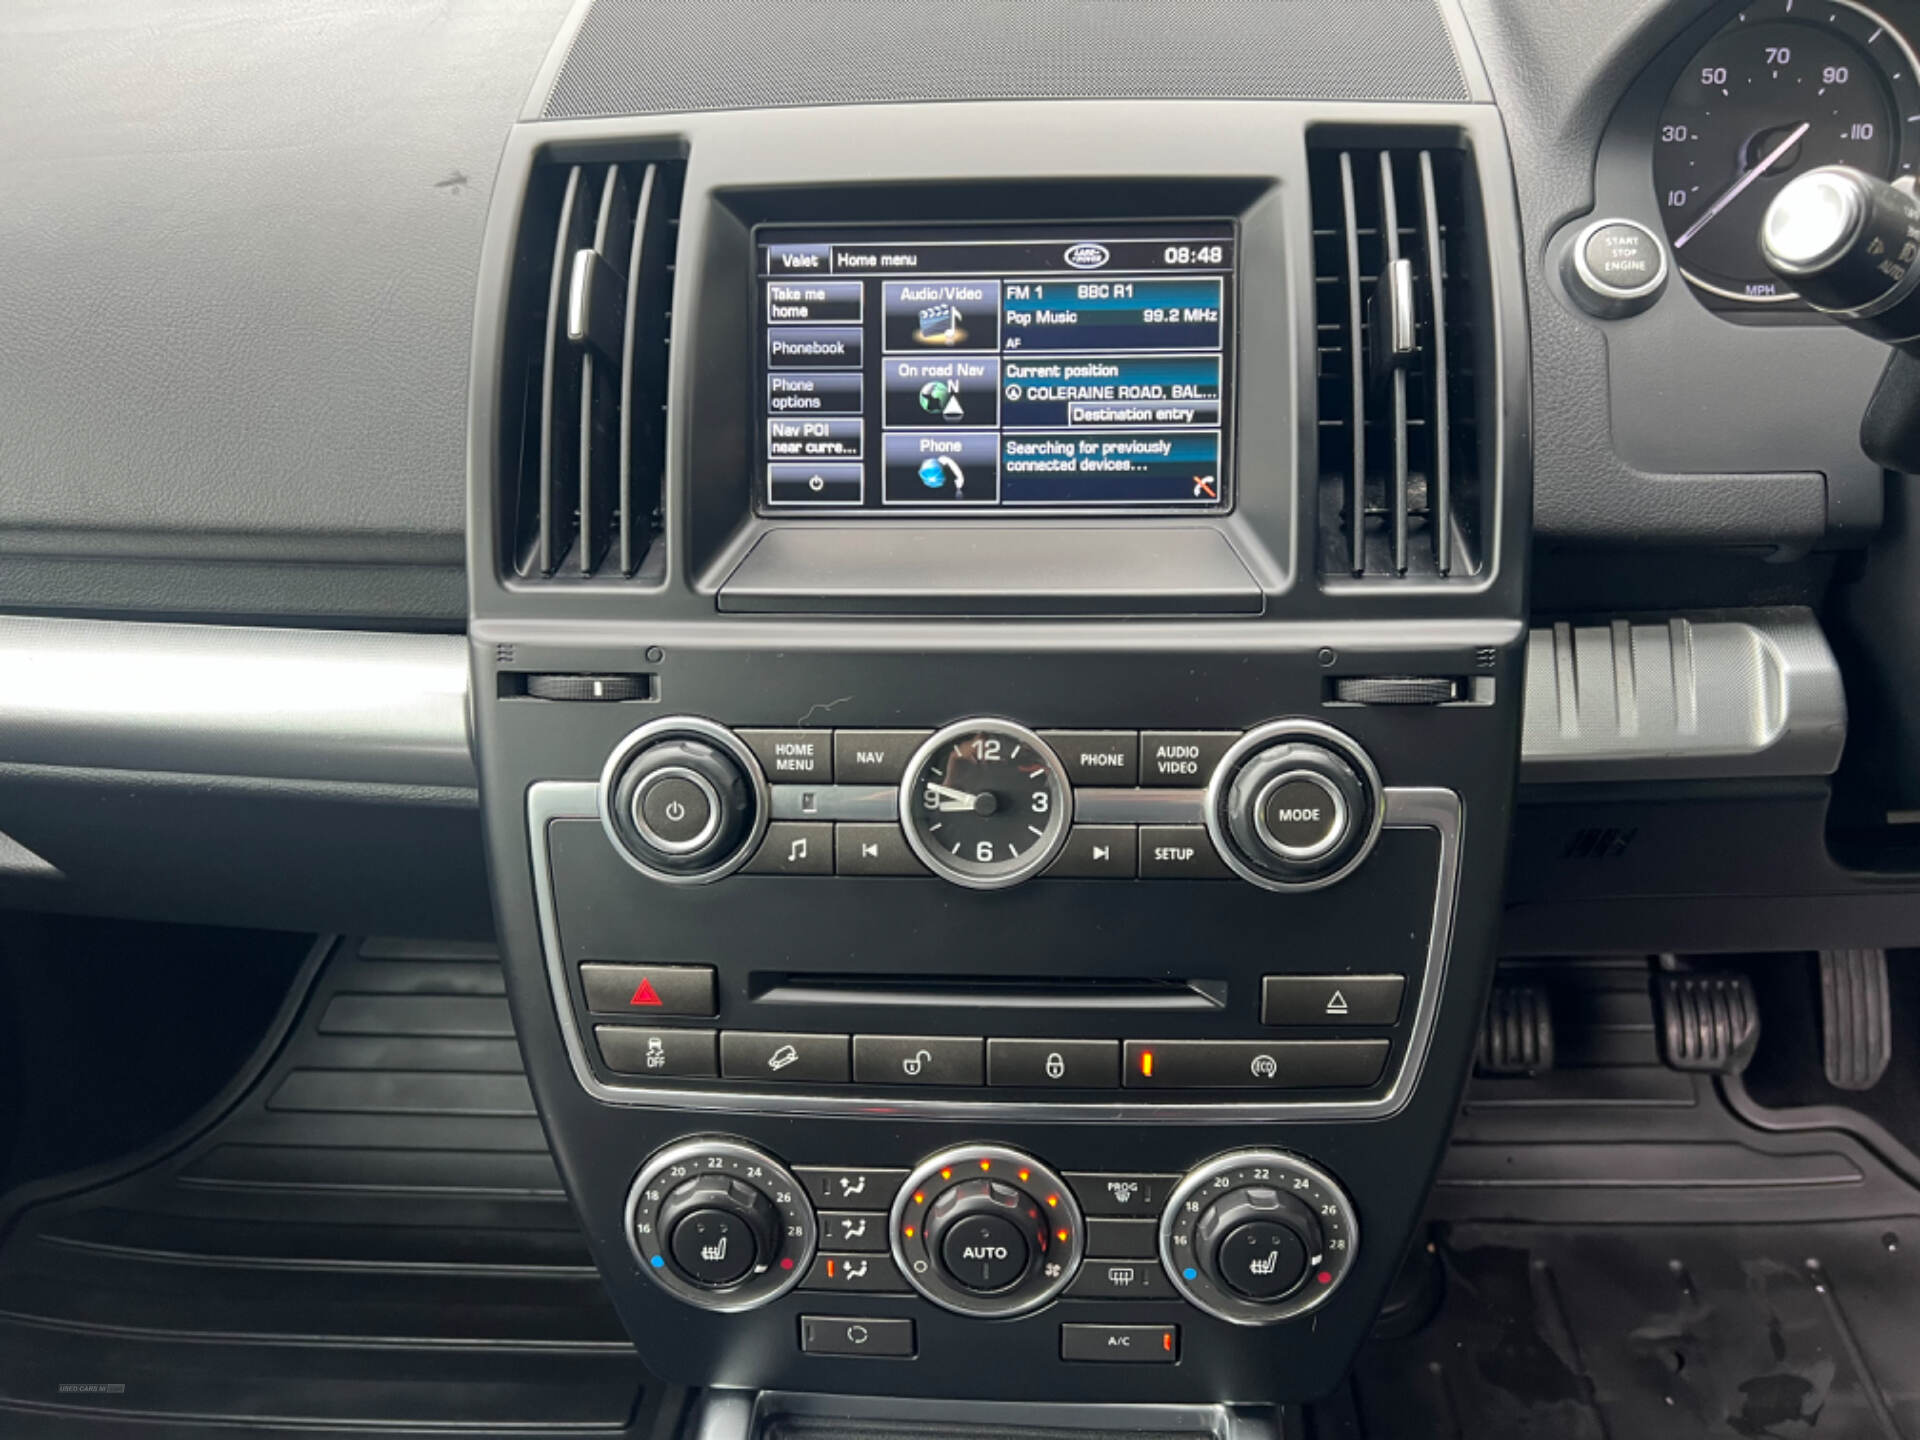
(1254, 1237)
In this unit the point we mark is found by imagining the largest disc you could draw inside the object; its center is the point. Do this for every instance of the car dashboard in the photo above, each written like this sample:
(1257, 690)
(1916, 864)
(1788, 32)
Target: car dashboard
(1009, 621)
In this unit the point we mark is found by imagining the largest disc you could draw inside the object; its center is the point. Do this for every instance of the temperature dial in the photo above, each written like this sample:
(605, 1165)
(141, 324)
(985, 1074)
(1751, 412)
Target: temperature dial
(986, 804)
(987, 1231)
(720, 1225)
(1258, 1236)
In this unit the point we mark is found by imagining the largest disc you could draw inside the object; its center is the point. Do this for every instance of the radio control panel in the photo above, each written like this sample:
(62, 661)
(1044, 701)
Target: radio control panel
(988, 803)
(1035, 990)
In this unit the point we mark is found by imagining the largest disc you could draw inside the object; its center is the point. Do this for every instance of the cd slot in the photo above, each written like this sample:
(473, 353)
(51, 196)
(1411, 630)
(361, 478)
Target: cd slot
(992, 992)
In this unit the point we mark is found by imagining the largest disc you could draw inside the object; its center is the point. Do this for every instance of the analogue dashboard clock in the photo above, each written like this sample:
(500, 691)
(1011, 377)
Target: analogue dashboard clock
(986, 804)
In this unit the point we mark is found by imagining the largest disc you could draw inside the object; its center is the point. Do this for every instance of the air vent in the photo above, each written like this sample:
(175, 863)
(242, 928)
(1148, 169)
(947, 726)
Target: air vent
(1400, 309)
(584, 411)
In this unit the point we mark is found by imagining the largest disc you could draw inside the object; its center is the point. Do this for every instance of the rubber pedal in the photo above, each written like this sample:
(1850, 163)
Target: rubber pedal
(1516, 1035)
(1856, 1018)
(1709, 1022)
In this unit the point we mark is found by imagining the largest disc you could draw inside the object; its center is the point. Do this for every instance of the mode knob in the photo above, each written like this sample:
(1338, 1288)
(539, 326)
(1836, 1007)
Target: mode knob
(683, 800)
(720, 1224)
(1294, 805)
(1258, 1236)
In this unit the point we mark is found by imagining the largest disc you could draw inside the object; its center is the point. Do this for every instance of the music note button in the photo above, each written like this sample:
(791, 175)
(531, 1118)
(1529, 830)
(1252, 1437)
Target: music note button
(794, 847)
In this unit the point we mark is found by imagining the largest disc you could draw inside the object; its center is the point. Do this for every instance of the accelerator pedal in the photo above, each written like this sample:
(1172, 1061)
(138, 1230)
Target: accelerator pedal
(1856, 1018)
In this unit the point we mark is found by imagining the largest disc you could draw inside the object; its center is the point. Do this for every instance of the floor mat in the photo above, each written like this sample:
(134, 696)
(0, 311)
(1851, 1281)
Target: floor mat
(1622, 1257)
(1584, 1333)
(373, 1240)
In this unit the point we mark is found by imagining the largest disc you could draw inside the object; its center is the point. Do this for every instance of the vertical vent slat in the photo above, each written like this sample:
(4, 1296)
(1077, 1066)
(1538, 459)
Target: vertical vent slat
(643, 451)
(1405, 357)
(635, 256)
(582, 436)
(1440, 441)
(1356, 370)
(1396, 373)
(601, 378)
(560, 390)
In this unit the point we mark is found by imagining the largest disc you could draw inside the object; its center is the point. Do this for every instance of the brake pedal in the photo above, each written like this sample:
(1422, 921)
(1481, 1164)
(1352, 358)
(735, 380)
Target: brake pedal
(1856, 1018)
(1516, 1034)
(1709, 1022)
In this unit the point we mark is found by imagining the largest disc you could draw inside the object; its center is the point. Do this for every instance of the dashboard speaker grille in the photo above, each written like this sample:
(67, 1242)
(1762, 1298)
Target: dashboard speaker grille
(589, 327)
(1400, 286)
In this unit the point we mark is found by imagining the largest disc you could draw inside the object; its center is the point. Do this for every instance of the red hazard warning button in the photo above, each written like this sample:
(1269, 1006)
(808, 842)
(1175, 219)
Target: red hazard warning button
(649, 989)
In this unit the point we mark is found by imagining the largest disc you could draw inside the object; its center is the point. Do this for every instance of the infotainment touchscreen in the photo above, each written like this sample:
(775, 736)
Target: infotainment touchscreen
(997, 369)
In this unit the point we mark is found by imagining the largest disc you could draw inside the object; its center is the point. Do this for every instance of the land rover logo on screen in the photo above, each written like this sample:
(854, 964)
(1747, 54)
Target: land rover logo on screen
(1087, 256)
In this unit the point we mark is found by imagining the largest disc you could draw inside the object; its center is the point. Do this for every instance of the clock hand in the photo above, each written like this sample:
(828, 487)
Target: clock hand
(1734, 191)
(951, 799)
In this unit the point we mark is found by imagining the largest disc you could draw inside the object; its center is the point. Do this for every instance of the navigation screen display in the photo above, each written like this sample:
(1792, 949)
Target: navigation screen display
(996, 369)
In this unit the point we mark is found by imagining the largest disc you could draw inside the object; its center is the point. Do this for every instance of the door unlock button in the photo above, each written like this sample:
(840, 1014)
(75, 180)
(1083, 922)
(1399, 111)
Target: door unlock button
(917, 1059)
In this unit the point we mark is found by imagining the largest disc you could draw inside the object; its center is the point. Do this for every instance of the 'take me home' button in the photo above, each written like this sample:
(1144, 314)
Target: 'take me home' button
(1121, 1344)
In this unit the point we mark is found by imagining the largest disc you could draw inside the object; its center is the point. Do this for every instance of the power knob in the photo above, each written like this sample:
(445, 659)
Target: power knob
(683, 800)
(1294, 805)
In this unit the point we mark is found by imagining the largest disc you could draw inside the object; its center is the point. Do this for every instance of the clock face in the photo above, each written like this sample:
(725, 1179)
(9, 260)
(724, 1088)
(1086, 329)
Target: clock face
(986, 804)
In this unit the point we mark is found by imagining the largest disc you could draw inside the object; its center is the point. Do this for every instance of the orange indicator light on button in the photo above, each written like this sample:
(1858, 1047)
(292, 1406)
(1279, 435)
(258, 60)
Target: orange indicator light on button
(946, 1174)
(1053, 1200)
(986, 1164)
(1025, 1173)
(909, 1232)
(1063, 1236)
(1146, 1063)
(1166, 1341)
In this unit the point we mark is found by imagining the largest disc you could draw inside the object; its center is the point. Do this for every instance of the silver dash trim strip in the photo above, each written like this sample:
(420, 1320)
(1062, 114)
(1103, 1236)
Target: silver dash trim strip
(1407, 808)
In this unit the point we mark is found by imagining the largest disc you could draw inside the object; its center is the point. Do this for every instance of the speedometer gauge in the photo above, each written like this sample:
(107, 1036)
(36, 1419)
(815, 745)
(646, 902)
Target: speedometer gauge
(1785, 87)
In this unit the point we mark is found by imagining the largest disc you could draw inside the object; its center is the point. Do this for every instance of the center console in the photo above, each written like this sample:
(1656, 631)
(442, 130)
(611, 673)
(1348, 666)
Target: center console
(998, 692)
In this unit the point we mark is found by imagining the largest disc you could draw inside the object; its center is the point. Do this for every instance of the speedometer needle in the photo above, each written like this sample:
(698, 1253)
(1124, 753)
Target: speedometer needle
(1735, 190)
